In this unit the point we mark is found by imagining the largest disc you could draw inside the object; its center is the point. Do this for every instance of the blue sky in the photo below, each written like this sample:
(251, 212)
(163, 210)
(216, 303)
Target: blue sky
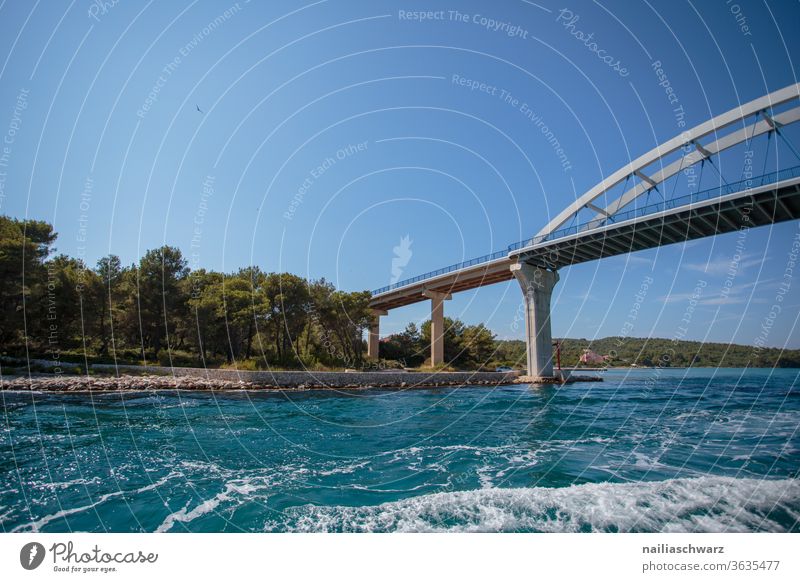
(329, 131)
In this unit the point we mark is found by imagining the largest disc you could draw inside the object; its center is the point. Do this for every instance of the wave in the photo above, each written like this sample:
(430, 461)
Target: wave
(186, 515)
(37, 525)
(704, 504)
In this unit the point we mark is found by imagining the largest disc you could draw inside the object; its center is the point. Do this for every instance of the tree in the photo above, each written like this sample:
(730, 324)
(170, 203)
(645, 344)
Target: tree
(160, 295)
(59, 319)
(52, 303)
(241, 303)
(478, 344)
(106, 294)
(286, 298)
(24, 245)
(339, 319)
(406, 346)
(205, 322)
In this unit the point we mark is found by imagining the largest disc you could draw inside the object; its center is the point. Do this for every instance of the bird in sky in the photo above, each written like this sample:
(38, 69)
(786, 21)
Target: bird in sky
(198, 108)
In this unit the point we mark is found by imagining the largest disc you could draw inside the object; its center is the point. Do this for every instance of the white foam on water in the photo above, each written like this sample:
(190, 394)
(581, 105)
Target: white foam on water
(384, 490)
(67, 484)
(342, 469)
(6, 513)
(235, 490)
(704, 504)
(186, 515)
(37, 525)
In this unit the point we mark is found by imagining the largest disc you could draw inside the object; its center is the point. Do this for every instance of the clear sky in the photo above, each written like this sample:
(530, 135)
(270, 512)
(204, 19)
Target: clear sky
(313, 137)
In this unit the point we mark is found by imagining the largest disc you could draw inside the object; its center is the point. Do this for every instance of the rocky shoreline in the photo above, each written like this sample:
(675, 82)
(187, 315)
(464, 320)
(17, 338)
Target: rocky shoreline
(276, 381)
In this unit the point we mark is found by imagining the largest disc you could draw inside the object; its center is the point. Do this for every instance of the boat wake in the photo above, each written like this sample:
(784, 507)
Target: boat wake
(705, 504)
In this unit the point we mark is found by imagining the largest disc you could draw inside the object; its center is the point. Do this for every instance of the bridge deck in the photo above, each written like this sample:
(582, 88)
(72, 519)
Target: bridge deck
(699, 215)
(758, 207)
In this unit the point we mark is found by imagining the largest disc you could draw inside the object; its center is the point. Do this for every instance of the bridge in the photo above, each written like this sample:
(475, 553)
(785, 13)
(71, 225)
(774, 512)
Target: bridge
(616, 217)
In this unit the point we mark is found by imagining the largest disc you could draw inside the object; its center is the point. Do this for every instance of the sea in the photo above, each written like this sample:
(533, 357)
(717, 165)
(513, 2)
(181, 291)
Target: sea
(649, 450)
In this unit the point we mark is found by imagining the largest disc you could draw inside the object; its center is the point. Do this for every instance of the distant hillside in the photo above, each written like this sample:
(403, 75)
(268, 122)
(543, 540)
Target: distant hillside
(628, 351)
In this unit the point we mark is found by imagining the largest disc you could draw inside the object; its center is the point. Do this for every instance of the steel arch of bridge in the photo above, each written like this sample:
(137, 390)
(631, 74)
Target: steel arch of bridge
(756, 118)
(619, 226)
(762, 122)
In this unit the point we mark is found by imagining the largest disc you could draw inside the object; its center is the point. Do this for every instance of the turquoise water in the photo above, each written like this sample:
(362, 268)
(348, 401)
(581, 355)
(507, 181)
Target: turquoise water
(647, 450)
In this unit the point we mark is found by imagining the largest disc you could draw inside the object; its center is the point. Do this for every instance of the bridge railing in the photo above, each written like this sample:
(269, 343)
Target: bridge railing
(717, 191)
(443, 270)
(672, 203)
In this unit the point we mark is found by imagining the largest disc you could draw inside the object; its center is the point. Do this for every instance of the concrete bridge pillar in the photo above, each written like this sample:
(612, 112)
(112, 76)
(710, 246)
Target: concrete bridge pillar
(437, 325)
(373, 338)
(537, 286)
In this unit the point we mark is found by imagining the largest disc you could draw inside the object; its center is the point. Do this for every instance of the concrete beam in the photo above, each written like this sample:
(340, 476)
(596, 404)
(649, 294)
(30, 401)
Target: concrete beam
(591, 206)
(373, 338)
(646, 233)
(772, 123)
(537, 288)
(576, 251)
(726, 220)
(702, 150)
(784, 208)
(618, 247)
(691, 225)
(645, 178)
(676, 234)
(436, 295)
(437, 324)
(769, 219)
(706, 222)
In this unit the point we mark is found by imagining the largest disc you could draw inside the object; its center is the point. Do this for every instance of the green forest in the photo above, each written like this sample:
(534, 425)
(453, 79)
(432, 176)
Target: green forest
(657, 352)
(158, 311)
(470, 347)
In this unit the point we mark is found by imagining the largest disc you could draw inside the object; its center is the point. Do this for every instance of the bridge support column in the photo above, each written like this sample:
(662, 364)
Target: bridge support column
(373, 338)
(537, 286)
(437, 325)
